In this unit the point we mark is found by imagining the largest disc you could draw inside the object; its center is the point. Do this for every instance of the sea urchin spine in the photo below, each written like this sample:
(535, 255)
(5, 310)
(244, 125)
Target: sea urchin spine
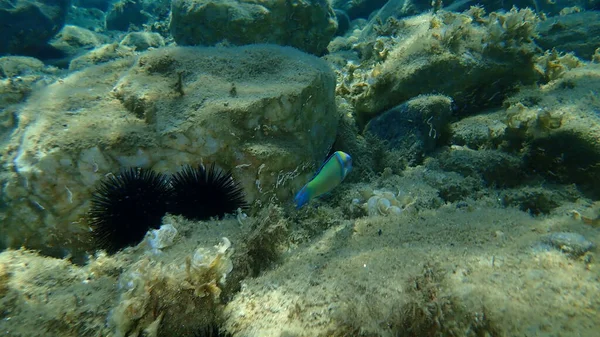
(124, 207)
(200, 193)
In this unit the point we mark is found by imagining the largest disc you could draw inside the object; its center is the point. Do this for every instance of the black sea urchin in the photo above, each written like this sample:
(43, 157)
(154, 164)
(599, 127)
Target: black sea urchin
(199, 194)
(124, 207)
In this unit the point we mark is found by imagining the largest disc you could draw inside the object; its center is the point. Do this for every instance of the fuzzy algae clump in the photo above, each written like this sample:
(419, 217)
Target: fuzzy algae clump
(153, 291)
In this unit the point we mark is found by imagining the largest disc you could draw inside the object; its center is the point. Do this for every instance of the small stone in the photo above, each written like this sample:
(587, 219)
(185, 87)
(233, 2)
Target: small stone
(143, 40)
(571, 243)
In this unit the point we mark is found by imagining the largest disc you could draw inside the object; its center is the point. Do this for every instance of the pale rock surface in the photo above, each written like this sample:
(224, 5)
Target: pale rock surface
(265, 112)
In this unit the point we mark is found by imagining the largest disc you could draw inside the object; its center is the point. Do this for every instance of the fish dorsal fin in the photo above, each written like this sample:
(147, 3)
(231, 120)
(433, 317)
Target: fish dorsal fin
(335, 154)
(323, 165)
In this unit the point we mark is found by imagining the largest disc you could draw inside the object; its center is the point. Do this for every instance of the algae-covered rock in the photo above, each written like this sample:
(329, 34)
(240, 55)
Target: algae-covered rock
(88, 18)
(307, 25)
(74, 37)
(13, 66)
(577, 32)
(101, 54)
(143, 40)
(266, 112)
(414, 127)
(495, 168)
(19, 75)
(73, 41)
(558, 125)
(573, 244)
(538, 200)
(125, 14)
(52, 297)
(486, 130)
(29, 24)
(472, 58)
(126, 294)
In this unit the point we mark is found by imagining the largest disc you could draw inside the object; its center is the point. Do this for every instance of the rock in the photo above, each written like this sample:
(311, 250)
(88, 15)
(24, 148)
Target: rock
(486, 131)
(13, 66)
(89, 18)
(124, 14)
(74, 41)
(343, 22)
(101, 54)
(74, 37)
(556, 127)
(538, 200)
(474, 60)
(141, 41)
(19, 76)
(571, 243)
(454, 187)
(494, 167)
(358, 8)
(306, 25)
(414, 127)
(577, 32)
(28, 24)
(392, 11)
(266, 112)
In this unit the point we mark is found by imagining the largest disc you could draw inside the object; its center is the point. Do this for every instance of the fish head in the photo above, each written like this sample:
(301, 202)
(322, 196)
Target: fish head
(346, 162)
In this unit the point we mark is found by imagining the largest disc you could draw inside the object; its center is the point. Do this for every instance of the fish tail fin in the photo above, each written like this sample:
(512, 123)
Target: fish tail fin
(302, 197)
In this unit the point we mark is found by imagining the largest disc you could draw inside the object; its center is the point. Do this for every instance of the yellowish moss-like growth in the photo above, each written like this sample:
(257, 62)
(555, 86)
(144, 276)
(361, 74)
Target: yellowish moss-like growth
(596, 56)
(4, 277)
(532, 122)
(553, 64)
(425, 310)
(263, 244)
(159, 297)
(204, 276)
(486, 55)
(431, 312)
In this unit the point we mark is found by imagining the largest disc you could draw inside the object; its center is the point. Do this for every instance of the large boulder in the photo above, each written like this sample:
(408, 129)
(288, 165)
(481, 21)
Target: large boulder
(307, 25)
(28, 24)
(265, 112)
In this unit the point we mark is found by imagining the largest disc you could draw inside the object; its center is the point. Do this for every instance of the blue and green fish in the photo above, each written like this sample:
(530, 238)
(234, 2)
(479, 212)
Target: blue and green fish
(331, 174)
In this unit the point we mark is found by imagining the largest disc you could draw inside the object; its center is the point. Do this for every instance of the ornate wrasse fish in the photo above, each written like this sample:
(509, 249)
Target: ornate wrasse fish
(332, 173)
